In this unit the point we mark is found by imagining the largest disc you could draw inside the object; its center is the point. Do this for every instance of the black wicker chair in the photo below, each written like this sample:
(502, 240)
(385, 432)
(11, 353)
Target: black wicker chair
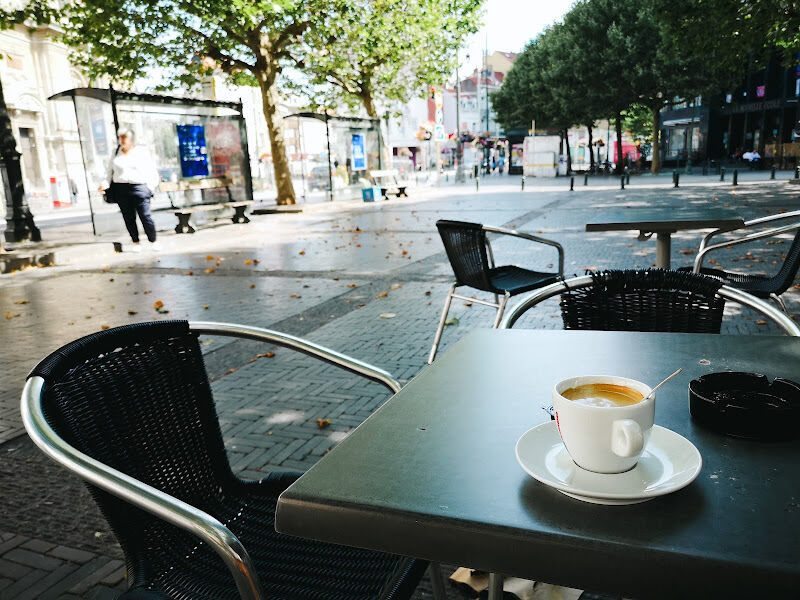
(761, 286)
(646, 300)
(130, 410)
(470, 255)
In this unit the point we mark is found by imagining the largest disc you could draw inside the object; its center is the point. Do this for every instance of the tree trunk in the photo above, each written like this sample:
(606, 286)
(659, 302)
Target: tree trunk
(569, 154)
(620, 159)
(20, 225)
(280, 162)
(591, 149)
(655, 167)
(369, 106)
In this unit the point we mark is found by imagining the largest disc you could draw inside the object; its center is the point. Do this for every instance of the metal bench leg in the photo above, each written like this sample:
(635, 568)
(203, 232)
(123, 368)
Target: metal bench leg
(500, 310)
(439, 329)
(239, 216)
(183, 223)
(495, 586)
(779, 301)
(437, 581)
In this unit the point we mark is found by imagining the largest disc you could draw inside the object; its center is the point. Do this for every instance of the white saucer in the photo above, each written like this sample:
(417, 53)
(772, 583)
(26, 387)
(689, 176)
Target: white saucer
(669, 462)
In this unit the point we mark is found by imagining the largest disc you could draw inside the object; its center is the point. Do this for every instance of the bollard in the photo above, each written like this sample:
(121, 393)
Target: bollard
(586, 179)
(622, 182)
(572, 184)
(447, 177)
(522, 189)
(797, 172)
(722, 173)
(772, 172)
(477, 184)
(627, 179)
(675, 178)
(736, 177)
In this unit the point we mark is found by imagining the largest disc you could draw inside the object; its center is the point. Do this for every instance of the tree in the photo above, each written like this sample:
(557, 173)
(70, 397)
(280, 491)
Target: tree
(378, 52)
(251, 41)
(18, 216)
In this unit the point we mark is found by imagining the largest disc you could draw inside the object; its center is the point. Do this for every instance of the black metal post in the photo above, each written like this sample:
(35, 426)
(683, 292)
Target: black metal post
(328, 141)
(675, 179)
(797, 172)
(722, 173)
(572, 184)
(85, 170)
(736, 177)
(772, 172)
(586, 179)
(523, 184)
(248, 176)
(477, 184)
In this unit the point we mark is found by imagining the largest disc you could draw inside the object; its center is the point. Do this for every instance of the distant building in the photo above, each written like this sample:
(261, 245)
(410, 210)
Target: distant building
(762, 113)
(33, 67)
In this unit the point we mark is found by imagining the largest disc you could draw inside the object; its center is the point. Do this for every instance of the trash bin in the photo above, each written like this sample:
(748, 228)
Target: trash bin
(371, 194)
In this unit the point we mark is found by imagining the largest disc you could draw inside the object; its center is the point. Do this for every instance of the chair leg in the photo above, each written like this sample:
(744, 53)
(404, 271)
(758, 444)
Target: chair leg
(437, 581)
(495, 586)
(500, 310)
(779, 301)
(439, 329)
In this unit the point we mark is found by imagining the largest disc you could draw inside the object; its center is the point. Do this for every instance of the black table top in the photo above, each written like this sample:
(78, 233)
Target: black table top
(670, 219)
(433, 473)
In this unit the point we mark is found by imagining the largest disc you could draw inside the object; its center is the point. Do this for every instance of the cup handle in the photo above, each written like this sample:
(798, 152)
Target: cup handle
(626, 438)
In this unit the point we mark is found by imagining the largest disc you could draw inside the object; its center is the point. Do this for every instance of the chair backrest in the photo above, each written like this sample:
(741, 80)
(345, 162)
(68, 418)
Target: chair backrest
(137, 398)
(788, 271)
(645, 300)
(465, 244)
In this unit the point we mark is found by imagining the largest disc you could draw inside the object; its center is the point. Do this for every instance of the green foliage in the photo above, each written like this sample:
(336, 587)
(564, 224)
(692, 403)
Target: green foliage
(638, 121)
(373, 52)
(13, 12)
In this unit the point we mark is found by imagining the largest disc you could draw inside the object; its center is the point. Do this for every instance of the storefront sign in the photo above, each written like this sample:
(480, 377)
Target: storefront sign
(358, 152)
(193, 152)
(754, 106)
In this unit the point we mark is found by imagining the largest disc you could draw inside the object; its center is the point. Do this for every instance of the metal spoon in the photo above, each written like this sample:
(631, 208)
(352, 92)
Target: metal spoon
(662, 383)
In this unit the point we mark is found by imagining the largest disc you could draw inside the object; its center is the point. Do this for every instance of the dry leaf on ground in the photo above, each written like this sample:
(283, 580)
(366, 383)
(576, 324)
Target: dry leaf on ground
(323, 423)
(382, 295)
(388, 316)
(265, 355)
(22, 302)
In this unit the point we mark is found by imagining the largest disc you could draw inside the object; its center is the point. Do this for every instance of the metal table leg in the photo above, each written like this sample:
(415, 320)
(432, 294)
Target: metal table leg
(663, 249)
(495, 586)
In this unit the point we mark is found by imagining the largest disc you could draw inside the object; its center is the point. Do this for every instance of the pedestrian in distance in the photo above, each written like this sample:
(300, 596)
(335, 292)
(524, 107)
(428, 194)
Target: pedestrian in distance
(132, 179)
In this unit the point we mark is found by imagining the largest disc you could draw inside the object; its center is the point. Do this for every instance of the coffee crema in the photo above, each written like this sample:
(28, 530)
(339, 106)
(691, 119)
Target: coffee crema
(604, 395)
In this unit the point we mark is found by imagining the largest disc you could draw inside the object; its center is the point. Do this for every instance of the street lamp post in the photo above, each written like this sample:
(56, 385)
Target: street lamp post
(460, 176)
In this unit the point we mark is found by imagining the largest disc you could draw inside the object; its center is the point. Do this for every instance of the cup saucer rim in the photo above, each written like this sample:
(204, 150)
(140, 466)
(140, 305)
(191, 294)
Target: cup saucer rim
(549, 434)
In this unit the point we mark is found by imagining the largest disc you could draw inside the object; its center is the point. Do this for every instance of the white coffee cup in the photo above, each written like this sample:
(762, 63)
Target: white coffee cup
(599, 438)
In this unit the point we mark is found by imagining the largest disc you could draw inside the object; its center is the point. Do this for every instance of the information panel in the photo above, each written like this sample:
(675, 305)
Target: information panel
(358, 152)
(193, 151)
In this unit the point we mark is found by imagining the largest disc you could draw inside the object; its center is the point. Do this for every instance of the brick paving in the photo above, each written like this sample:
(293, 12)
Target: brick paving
(321, 275)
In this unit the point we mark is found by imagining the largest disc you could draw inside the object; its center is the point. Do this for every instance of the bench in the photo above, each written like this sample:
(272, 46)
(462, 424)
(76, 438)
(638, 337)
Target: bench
(184, 213)
(387, 181)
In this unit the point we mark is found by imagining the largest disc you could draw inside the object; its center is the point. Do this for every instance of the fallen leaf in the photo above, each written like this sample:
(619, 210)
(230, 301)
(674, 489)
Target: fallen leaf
(22, 302)
(761, 322)
(104, 327)
(352, 285)
(382, 295)
(205, 307)
(388, 316)
(404, 252)
(231, 370)
(336, 279)
(256, 261)
(209, 270)
(467, 303)
(452, 321)
(132, 312)
(265, 355)
(158, 304)
(428, 293)
(146, 292)
(190, 272)
(323, 423)
(252, 285)
(209, 257)
(395, 286)
(10, 315)
(248, 262)
(293, 296)
(302, 252)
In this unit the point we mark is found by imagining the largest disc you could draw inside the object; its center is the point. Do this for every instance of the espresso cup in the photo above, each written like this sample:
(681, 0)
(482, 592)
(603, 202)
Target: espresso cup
(604, 439)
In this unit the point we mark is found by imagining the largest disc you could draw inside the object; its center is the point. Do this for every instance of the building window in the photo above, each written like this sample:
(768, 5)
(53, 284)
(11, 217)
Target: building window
(30, 157)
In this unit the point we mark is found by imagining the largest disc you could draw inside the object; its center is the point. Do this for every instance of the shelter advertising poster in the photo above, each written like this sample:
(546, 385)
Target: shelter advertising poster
(193, 151)
(358, 152)
(99, 133)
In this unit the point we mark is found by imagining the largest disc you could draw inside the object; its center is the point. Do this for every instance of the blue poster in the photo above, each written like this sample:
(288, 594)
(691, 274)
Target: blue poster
(193, 152)
(99, 134)
(359, 155)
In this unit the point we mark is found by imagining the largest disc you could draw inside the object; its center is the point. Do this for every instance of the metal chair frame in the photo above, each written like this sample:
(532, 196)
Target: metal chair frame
(706, 247)
(167, 507)
(727, 292)
(499, 304)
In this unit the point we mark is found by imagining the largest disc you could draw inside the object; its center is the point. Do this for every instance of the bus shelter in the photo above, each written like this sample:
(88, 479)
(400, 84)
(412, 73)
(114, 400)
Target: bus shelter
(199, 146)
(338, 161)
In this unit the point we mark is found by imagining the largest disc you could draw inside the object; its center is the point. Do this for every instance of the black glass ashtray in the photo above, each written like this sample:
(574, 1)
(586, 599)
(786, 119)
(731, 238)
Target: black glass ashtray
(746, 405)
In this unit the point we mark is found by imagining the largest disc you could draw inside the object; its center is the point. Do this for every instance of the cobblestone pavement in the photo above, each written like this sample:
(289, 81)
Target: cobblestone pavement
(367, 280)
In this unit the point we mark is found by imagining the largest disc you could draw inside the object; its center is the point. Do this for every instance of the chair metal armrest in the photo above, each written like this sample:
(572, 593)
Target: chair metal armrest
(727, 292)
(532, 238)
(146, 497)
(761, 220)
(337, 359)
(751, 237)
